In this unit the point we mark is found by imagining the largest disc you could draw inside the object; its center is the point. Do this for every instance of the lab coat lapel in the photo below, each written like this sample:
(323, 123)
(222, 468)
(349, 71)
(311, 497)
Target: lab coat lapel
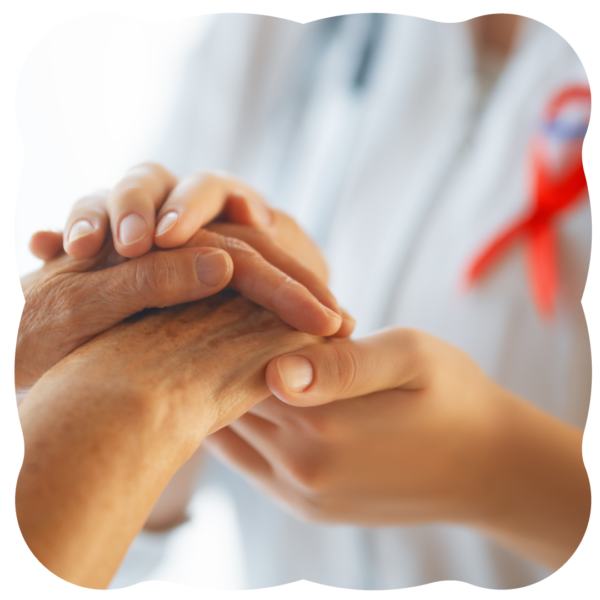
(417, 116)
(233, 81)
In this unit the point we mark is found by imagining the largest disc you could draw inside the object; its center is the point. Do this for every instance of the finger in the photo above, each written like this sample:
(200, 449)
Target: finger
(263, 283)
(86, 226)
(200, 198)
(132, 206)
(348, 368)
(280, 414)
(259, 433)
(347, 327)
(292, 463)
(46, 244)
(226, 445)
(290, 235)
(155, 280)
(275, 254)
(263, 436)
(283, 229)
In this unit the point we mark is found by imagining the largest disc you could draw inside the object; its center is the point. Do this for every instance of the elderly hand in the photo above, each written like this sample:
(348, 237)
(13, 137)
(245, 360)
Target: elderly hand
(107, 427)
(400, 428)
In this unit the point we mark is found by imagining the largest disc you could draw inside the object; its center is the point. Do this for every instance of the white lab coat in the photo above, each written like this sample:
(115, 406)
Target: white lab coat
(401, 187)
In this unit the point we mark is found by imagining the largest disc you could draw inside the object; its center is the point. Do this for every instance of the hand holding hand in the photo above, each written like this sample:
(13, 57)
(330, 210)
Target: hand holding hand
(401, 428)
(73, 298)
(148, 208)
(377, 431)
(69, 301)
(107, 427)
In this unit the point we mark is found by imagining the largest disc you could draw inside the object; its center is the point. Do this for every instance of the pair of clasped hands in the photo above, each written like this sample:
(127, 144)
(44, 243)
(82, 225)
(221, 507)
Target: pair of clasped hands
(253, 359)
(155, 242)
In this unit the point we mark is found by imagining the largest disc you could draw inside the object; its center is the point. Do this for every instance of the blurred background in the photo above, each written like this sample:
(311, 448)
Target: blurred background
(91, 98)
(94, 92)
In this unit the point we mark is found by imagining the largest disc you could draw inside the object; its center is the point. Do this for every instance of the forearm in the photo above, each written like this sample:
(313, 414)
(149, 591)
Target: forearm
(107, 427)
(94, 465)
(170, 508)
(538, 494)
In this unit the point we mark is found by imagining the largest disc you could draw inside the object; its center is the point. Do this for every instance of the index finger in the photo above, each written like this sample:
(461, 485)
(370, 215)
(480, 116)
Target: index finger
(201, 197)
(132, 206)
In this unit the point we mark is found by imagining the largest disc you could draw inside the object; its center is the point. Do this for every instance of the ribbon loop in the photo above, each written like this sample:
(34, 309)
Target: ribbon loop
(558, 184)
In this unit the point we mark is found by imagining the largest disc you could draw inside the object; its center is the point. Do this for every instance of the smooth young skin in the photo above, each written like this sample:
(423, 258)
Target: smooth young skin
(401, 428)
(108, 426)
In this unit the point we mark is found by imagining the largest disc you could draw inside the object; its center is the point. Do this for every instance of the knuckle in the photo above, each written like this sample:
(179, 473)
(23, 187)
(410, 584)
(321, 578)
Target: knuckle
(307, 472)
(240, 245)
(146, 167)
(410, 350)
(343, 368)
(405, 337)
(132, 194)
(208, 178)
(155, 275)
(242, 250)
(92, 200)
(409, 342)
(320, 424)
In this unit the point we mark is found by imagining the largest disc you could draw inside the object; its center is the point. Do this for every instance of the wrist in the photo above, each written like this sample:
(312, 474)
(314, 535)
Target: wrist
(534, 491)
(111, 401)
(95, 463)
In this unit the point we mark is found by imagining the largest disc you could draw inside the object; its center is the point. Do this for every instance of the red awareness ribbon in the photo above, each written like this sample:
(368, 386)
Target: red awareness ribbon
(554, 191)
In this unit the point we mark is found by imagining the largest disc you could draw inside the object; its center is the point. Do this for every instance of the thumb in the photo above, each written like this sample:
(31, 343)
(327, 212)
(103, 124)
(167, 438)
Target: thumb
(155, 280)
(347, 368)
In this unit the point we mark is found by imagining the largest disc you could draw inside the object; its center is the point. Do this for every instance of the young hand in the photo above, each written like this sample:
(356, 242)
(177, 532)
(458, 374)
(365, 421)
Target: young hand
(401, 428)
(373, 432)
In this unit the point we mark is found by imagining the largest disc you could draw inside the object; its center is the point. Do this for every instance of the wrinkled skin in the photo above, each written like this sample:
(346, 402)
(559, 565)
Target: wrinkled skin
(60, 313)
(108, 426)
(70, 300)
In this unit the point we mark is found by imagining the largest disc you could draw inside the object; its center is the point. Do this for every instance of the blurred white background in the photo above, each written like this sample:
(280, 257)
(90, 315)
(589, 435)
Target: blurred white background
(91, 98)
(93, 92)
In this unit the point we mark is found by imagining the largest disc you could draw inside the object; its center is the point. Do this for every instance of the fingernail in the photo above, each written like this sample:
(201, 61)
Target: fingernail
(132, 229)
(296, 372)
(166, 223)
(80, 229)
(212, 267)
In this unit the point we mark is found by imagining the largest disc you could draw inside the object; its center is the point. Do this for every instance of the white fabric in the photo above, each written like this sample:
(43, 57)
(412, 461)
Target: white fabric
(421, 177)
